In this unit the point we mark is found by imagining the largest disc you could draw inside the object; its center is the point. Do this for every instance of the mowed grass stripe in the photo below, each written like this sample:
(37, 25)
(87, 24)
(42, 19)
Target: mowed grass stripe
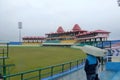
(29, 58)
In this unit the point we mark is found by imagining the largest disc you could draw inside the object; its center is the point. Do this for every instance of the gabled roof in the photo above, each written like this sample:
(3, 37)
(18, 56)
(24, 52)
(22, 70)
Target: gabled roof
(100, 31)
(33, 37)
(60, 29)
(76, 28)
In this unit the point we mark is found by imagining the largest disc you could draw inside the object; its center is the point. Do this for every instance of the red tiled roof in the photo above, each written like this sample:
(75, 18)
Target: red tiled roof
(33, 37)
(85, 33)
(100, 31)
(76, 27)
(60, 29)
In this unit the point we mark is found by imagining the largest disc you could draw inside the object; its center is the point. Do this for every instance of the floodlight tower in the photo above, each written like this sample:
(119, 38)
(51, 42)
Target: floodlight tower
(19, 27)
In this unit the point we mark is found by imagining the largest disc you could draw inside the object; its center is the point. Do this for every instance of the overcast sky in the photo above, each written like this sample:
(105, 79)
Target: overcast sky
(44, 16)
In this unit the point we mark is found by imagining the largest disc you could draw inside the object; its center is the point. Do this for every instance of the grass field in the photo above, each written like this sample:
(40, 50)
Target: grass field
(30, 58)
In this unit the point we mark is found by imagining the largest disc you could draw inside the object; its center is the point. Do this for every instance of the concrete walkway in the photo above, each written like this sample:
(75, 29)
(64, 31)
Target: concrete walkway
(110, 75)
(80, 75)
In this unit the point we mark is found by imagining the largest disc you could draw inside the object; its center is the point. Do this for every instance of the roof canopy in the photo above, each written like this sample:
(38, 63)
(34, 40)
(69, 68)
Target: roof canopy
(60, 29)
(33, 37)
(100, 31)
(76, 28)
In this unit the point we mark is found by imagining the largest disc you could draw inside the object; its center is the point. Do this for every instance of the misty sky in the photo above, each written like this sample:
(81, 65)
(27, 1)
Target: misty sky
(44, 16)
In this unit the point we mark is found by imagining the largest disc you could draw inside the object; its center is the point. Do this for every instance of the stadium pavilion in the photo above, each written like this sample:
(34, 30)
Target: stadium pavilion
(76, 35)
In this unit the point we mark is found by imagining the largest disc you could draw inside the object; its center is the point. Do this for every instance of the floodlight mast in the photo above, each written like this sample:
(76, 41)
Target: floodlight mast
(19, 27)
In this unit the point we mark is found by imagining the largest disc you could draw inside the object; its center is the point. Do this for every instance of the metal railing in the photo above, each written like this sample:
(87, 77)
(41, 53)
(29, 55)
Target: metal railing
(40, 73)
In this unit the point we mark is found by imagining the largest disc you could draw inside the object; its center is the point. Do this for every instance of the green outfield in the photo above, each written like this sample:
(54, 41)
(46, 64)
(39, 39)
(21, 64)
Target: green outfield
(29, 58)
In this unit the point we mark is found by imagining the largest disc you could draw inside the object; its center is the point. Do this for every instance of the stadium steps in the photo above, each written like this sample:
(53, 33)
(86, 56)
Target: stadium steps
(31, 43)
(68, 41)
(52, 41)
